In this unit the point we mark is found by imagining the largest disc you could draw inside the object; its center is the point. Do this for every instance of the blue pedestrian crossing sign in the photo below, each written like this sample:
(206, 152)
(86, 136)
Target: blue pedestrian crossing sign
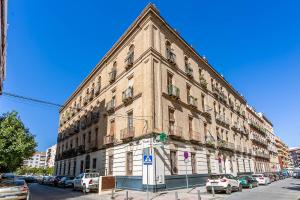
(147, 159)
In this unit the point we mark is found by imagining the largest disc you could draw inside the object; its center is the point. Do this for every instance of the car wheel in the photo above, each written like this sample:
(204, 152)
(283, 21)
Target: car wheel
(228, 189)
(208, 191)
(250, 186)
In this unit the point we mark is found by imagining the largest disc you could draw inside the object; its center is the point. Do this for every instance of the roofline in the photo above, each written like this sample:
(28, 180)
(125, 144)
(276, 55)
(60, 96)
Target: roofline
(149, 8)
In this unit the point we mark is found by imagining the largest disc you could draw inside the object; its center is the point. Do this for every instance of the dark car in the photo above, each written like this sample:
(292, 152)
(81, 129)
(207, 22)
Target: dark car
(248, 181)
(30, 179)
(55, 180)
(281, 176)
(67, 181)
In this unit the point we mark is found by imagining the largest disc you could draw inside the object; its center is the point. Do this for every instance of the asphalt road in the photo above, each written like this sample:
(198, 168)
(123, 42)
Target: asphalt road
(287, 189)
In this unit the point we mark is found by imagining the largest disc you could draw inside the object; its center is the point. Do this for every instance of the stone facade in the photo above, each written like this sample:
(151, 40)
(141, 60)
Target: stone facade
(153, 82)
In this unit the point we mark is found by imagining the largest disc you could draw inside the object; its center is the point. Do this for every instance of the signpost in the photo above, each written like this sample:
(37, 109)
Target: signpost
(147, 160)
(186, 157)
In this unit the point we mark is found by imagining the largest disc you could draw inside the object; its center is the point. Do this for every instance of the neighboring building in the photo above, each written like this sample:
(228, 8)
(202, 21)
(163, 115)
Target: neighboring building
(283, 153)
(295, 156)
(3, 31)
(259, 139)
(37, 160)
(153, 82)
(50, 156)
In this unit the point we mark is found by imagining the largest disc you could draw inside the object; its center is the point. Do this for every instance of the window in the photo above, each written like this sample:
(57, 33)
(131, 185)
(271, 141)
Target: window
(169, 79)
(76, 142)
(231, 164)
(193, 163)
(173, 162)
(69, 168)
(94, 163)
(190, 125)
(237, 165)
(89, 137)
(208, 164)
(188, 92)
(83, 139)
(203, 101)
(81, 166)
(129, 167)
(171, 120)
(87, 162)
(112, 128)
(249, 165)
(74, 168)
(130, 120)
(110, 164)
(244, 165)
(96, 135)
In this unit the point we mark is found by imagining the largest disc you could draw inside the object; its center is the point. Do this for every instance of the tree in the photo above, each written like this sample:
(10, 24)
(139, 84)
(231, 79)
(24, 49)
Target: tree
(16, 142)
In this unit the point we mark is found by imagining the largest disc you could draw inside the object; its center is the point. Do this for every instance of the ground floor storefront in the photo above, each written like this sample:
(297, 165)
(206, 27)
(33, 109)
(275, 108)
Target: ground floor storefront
(174, 164)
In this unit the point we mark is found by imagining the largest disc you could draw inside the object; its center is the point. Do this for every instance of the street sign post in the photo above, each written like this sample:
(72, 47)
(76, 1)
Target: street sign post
(147, 160)
(186, 159)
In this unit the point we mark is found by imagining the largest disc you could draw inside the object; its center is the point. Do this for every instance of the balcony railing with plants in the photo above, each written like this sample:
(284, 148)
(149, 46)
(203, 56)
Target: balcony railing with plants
(210, 141)
(207, 111)
(189, 70)
(85, 99)
(171, 57)
(192, 101)
(110, 106)
(173, 91)
(222, 120)
(257, 138)
(175, 131)
(238, 128)
(222, 144)
(203, 82)
(112, 75)
(129, 60)
(108, 139)
(127, 133)
(257, 127)
(127, 95)
(261, 154)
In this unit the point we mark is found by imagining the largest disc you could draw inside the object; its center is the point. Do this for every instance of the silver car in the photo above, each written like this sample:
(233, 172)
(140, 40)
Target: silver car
(11, 189)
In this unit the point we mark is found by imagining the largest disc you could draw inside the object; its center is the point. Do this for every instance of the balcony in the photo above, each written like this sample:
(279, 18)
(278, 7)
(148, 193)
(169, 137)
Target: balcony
(222, 144)
(175, 131)
(108, 139)
(189, 70)
(91, 94)
(171, 57)
(192, 101)
(110, 106)
(203, 82)
(95, 117)
(238, 148)
(112, 75)
(207, 111)
(93, 145)
(257, 127)
(195, 136)
(245, 150)
(97, 90)
(238, 128)
(256, 138)
(127, 133)
(83, 123)
(85, 100)
(222, 120)
(129, 60)
(261, 154)
(173, 92)
(80, 149)
(127, 95)
(210, 142)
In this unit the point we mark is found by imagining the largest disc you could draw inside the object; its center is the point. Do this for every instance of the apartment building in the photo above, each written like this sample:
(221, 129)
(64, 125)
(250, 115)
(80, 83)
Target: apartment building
(283, 153)
(295, 156)
(50, 156)
(152, 82)
(259, 139)
(3, 31)
(38, 160)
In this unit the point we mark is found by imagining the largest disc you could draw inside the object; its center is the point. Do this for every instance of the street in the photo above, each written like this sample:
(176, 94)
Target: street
(288, 189)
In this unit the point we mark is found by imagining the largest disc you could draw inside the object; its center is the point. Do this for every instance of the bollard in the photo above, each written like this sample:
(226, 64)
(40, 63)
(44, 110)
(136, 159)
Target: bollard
(112, 194)
(126, 198)
(213, 191)
(176, 195)
(198, 192)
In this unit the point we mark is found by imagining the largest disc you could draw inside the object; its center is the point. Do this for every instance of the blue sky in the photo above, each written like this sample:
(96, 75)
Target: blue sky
(53, 45)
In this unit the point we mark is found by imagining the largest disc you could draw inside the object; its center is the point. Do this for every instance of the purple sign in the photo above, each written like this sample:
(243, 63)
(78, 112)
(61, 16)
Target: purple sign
(185, 155)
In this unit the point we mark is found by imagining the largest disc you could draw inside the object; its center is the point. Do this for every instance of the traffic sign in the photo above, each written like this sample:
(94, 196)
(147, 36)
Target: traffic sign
(147, 159)
(186, 155)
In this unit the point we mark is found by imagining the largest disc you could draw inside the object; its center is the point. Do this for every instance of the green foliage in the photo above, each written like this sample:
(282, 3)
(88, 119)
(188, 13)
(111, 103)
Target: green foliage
(16, 142)
(34, 170)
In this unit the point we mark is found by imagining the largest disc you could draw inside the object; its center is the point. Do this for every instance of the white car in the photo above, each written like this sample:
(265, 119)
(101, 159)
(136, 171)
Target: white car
(223, 182)
(262, 180)
(87, 182)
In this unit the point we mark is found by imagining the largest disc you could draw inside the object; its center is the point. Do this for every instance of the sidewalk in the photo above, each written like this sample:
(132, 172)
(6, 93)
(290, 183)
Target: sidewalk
(183, 194)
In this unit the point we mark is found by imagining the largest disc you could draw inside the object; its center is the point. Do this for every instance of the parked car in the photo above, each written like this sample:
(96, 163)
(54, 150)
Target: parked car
(271, 177)
(14, 189)
(281, 176)
(296, 175)
(248, 181)
(223, 182)
(276, 177)
(262, 179)
(55, 179)
(30, 179)
(67, 181)
(87, 182)
(47, 180)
